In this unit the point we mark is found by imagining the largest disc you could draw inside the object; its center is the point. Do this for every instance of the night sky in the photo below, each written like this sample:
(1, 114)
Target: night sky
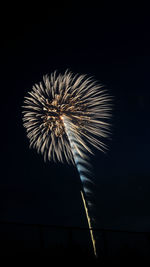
(111, 45)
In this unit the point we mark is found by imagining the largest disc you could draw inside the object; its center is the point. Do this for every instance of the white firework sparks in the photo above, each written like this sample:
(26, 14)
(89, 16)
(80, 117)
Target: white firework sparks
(79, 99)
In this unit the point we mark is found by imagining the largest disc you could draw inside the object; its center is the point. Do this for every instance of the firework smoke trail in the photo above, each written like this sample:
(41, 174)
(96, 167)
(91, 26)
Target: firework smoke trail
(63, 116)
(79, 161)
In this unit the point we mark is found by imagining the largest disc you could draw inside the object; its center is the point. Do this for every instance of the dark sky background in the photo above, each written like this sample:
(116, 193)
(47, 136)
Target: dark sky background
(113, 45)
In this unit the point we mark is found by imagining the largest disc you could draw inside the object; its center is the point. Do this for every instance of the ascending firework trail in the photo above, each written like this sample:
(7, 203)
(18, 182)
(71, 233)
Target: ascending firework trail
(64, 115)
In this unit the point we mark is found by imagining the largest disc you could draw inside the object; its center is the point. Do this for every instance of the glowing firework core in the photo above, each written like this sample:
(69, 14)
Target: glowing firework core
(54, 110)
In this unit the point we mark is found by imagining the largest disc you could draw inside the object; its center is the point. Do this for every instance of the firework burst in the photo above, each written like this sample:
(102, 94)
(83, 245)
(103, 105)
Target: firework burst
(64, 116)
(83, 102)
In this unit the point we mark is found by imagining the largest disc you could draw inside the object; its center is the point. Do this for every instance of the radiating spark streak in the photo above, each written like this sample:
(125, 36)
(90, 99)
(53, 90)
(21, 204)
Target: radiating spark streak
(89, 223)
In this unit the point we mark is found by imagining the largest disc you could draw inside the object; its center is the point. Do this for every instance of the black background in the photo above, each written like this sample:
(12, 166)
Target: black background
(112, 44)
